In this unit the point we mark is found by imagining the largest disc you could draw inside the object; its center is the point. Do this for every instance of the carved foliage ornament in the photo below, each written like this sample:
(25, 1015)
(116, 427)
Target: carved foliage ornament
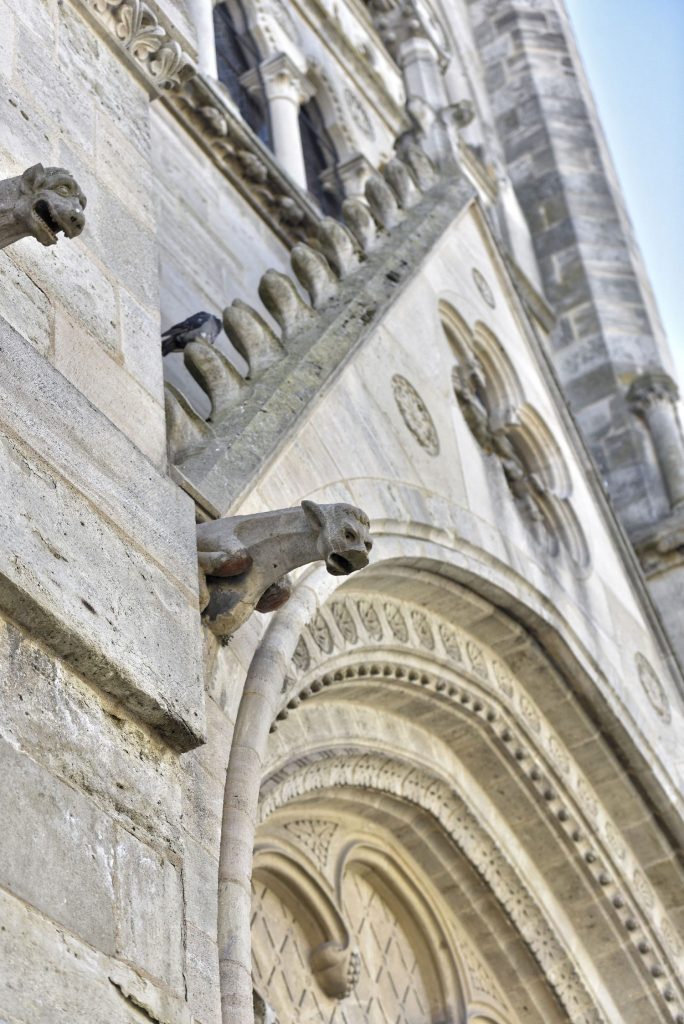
(138, 30)
(40, 203)
(415, 414)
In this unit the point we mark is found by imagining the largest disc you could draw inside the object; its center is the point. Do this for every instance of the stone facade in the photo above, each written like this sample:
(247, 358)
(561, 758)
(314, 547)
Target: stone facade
(448, 787)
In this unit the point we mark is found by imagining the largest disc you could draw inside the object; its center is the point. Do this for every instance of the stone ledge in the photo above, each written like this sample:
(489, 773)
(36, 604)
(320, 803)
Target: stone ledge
(97, 549)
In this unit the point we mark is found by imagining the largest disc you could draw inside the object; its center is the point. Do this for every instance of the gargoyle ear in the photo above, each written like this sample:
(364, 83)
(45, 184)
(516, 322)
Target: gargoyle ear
(33, 178)
(314, 512)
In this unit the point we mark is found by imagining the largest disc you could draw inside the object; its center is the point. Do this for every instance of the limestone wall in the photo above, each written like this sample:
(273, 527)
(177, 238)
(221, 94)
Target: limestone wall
(100, 649)
(119, 709)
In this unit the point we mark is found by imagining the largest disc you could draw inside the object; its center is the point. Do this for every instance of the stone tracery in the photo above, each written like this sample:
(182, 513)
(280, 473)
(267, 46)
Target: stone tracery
(508, 427)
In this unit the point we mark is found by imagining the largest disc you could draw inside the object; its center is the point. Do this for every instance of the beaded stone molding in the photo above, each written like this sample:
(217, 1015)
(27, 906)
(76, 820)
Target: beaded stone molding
(467, 674)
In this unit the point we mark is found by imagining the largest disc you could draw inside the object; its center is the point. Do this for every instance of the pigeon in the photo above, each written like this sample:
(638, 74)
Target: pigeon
(199, 325)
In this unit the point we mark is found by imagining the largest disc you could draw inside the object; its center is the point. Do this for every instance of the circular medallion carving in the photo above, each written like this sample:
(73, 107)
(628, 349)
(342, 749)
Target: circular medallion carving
(529, 713)
(559, 756)
(614, 842)
(643, 890)
(483, 288)
(415, 414)
(358, 114)
(653, 688)
(587, 800)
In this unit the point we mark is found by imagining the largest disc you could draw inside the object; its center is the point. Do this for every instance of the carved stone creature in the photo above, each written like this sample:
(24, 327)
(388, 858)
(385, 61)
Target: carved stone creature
(40, 203)
(244, 560)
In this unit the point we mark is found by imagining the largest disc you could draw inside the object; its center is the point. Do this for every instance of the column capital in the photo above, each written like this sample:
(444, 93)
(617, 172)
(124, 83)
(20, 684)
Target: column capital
(408, 29)
(280, 78)
(651, 388)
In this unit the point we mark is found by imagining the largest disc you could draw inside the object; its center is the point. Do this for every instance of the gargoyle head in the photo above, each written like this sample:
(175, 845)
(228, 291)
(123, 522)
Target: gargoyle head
(50, 202)
(343, 539)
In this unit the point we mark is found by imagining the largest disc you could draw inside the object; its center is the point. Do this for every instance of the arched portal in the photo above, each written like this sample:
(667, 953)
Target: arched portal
(420, 722)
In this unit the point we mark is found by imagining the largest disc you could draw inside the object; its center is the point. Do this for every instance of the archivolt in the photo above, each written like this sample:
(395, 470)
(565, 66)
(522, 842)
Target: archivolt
(383, 643)
(435, 795)
(435, 562)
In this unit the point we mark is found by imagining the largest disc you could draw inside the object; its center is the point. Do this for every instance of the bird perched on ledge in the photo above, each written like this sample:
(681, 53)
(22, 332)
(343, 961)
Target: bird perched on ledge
(199, 325)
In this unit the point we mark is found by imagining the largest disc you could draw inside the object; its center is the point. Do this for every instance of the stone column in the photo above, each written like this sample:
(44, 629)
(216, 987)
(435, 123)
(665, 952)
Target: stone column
(202, 17)
(286, 89)
(418, 59)
(653, 396)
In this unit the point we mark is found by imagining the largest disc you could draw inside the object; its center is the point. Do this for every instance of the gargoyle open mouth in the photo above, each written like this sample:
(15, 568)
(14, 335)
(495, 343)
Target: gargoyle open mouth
(47, 221)
(338, 565)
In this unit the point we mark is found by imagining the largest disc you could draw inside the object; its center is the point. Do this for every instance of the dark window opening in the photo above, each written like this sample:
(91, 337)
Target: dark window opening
(236, 54)
(319, 156)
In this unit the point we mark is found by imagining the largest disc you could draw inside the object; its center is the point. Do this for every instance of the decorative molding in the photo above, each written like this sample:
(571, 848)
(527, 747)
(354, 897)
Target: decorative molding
(147, 39)
(358, 113)
(487, 689)
(415, 414)
(418, 787)
(315, 835)
(650, 389)
(355, 263)
(251, 168)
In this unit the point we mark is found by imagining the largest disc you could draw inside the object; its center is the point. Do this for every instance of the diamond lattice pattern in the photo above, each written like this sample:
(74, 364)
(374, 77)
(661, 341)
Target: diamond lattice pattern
(390, 990)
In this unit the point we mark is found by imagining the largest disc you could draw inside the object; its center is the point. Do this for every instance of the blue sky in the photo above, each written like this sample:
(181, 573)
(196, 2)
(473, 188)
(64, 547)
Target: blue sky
(633, 51)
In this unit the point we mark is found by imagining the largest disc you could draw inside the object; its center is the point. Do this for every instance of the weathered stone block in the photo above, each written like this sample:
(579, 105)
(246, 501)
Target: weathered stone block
(105, 597)
(58, 853)
(24, 305)
(200, 873)
(111, 389)
(83, 738)
(149, 910)
(70, 277)
(140, 345)
(202, 972)
(47, 976)
(61, 97)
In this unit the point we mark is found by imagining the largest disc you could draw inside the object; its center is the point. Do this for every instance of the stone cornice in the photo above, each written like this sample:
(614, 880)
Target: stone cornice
(250, 167)
(154, 50)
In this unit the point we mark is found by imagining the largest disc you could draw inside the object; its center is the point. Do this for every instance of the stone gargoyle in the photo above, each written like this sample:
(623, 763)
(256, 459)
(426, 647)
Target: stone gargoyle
(244, 560)
(40, 203)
